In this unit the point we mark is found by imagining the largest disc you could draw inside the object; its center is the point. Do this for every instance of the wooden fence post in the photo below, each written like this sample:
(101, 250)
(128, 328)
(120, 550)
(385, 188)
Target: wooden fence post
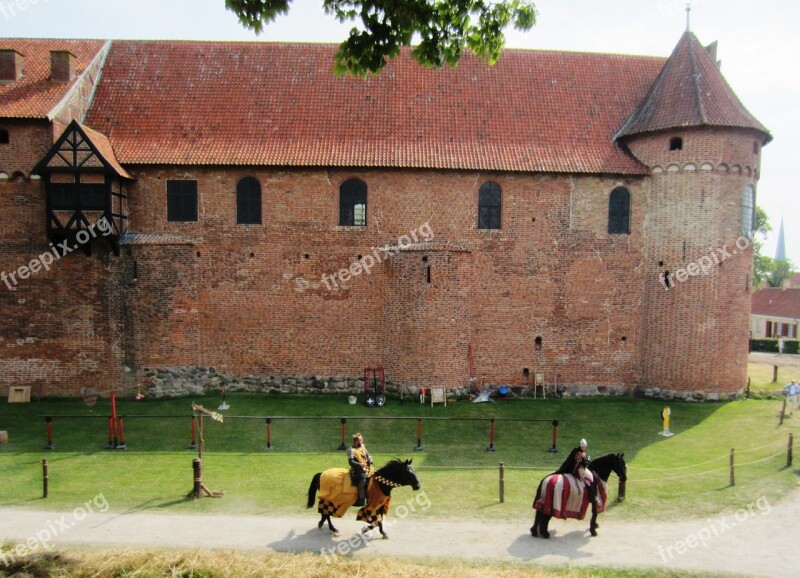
(45, 480)
(502, 484)
(733, 480)
(789, 451)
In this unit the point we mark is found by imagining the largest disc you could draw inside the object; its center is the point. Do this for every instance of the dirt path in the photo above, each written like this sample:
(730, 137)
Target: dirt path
(784, 360)
(760, 540)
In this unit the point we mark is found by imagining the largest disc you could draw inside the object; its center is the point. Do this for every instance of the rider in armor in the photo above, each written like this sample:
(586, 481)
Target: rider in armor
(575, 465)
(360, 467)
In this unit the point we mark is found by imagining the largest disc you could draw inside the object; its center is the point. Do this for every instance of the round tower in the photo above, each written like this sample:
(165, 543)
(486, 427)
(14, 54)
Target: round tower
(703, 149)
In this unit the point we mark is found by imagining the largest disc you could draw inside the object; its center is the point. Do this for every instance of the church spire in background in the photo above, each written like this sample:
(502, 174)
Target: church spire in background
(780, 250)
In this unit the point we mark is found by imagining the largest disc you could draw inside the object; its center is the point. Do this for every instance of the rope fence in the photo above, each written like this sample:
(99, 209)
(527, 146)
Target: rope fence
(116, 425)
(622, 485)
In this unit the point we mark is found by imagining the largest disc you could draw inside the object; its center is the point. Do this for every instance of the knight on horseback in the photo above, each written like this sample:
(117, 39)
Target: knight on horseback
(360, 467)
(575, 465)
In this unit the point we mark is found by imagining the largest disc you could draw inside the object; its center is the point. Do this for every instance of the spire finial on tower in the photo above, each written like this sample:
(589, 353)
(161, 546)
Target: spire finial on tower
(688, 11)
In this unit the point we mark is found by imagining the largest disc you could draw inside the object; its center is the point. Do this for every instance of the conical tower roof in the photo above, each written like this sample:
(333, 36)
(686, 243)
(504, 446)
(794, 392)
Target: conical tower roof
(690, 91)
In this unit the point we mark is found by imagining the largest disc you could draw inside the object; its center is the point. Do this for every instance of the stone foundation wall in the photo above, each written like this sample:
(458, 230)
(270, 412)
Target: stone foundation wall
(200, 380)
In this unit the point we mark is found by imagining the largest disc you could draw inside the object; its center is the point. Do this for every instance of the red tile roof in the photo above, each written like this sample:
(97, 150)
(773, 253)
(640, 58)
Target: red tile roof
(35, 95)
(103, 146)
(226, 103)
(776, 302)
(690, 91)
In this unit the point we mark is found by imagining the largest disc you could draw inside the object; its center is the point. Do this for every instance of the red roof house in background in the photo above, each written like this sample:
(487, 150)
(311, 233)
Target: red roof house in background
(775, 312)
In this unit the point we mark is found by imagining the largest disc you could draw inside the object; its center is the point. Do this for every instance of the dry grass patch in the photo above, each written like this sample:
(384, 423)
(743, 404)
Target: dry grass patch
(106, 563)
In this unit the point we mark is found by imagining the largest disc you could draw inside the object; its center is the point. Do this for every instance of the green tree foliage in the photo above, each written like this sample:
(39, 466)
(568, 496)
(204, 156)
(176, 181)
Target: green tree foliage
(440, 29)
(780, 270)
(773, 271)
(761, 263)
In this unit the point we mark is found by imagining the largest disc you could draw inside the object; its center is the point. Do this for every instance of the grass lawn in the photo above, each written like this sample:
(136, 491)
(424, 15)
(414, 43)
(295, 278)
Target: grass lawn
(760, 375)
(687, 473)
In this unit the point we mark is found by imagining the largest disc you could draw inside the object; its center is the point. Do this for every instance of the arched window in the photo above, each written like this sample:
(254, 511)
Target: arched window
(490, 201)
(248, 202)
(619, 212)
(748, 210)
(3, 136)
(353, 203)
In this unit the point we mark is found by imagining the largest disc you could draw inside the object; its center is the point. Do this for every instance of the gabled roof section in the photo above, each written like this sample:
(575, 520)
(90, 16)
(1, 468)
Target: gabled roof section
(278, 104)
(34, 95)
(690, 91)
(79, 148)
(776, 302)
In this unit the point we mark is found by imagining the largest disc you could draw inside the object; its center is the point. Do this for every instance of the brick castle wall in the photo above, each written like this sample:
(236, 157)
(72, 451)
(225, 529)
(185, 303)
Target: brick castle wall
(250, 299)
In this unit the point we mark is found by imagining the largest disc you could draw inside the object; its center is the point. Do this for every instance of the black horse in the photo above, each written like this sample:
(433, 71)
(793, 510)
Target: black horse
(601, 468)
(337, 493)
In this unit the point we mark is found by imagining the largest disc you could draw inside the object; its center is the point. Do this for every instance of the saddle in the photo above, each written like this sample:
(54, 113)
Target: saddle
(355, 475)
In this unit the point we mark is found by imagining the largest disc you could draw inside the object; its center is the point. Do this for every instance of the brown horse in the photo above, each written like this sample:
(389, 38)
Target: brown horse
(337, 493)
(562, 496)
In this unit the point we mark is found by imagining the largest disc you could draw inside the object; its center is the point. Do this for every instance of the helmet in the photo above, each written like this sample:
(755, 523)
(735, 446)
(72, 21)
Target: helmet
(583, 443)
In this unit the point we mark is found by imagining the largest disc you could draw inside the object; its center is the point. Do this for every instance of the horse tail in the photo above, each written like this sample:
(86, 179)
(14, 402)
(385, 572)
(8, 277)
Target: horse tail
(312, 489)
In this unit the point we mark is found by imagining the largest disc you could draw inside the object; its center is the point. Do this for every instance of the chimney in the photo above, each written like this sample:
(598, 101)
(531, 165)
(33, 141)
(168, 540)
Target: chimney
(62, 66)
(10, 65)
(712, 52)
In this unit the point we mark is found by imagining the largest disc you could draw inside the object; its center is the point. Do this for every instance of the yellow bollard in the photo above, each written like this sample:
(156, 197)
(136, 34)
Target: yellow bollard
(665, 413)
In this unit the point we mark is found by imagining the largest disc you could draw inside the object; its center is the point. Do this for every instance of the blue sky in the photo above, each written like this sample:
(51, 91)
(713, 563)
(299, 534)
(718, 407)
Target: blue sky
(758, 45)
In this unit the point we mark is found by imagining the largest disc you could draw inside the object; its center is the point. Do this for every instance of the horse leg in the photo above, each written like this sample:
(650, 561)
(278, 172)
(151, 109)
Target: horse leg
(384, 535)
(330, 524)
(321, 521)
(593, 525)
(543, 524)
(535, 527)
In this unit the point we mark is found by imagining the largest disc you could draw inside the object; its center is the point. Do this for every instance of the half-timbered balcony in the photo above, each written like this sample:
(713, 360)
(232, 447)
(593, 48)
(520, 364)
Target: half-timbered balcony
(85, 189)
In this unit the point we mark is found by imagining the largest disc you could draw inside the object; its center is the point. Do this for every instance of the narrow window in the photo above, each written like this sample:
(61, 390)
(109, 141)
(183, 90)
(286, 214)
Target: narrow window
(3, 136)
(675, 143)
(429, 273)
(748, 210)
(619, 212)
(755, 147)
(248, 202)
(182, 201)
(666, 280)
(353, 203)
(537, 343)
(489, 206)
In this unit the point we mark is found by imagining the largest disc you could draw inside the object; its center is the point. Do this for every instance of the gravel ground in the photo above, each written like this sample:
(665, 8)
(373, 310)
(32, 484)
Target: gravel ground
(759, 539)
